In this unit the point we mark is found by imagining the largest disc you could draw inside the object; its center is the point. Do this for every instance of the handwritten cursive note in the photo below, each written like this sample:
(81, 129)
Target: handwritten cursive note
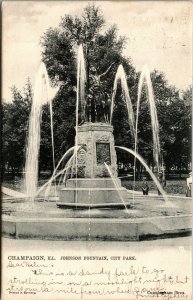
(82, 278)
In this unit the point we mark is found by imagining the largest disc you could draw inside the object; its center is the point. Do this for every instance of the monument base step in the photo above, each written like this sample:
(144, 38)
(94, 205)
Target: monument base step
(93, 195)
(93, 183)
(93, 206)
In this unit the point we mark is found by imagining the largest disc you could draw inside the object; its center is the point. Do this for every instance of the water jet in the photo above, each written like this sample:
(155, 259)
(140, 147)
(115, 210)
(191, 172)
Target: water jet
(91, 203)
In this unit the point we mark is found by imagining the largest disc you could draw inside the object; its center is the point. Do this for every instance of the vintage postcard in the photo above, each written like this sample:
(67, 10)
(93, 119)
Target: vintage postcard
(96, 172)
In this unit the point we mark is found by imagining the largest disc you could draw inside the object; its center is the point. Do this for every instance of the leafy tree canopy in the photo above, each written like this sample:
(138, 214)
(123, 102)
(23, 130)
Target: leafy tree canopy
(102, 48)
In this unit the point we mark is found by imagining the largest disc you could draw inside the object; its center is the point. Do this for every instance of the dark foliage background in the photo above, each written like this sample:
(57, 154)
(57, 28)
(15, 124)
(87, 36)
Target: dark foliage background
(101, 49)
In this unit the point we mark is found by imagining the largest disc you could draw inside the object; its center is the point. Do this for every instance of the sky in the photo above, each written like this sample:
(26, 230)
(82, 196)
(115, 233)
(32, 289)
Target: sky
(159, 34)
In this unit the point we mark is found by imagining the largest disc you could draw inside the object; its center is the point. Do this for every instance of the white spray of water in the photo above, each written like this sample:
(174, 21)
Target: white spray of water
(74, 148)
(54, 175)
(52, 134)
(81, 80)
(116, 184)
(69, 164)
(145, 77)
(147, 169)
(80, 95)
(49, 182)
(42, 95)
(120, 75)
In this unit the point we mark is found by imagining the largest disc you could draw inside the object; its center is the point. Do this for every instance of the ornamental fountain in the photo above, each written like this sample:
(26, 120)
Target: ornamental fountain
(89, 180)
(95, 181)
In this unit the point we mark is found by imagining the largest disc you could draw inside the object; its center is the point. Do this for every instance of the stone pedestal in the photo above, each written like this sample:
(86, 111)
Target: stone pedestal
(91, 192)
(92, 183)
(97, 147)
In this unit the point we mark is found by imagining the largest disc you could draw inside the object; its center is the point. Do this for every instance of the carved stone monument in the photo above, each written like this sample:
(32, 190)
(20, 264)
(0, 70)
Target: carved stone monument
(97, 147)
(91, 183)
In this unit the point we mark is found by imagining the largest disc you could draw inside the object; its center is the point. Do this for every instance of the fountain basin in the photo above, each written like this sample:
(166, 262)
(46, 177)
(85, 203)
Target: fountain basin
(149, 218)
(93, 228)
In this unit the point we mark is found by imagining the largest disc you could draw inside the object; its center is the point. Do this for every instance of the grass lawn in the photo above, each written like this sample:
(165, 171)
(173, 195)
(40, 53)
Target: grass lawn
(172, 186)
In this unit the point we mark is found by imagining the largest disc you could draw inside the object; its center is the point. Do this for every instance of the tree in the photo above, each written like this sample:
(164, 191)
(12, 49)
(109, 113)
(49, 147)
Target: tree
(14, 128)
(174, 116)
(187, 97)
(101, 51)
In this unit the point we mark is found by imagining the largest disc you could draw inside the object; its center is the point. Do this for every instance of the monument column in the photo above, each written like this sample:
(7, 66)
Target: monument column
(97, 142)
(91, 184)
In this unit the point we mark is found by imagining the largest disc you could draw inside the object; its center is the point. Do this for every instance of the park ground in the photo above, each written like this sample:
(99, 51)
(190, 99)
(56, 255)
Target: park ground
(173, 186)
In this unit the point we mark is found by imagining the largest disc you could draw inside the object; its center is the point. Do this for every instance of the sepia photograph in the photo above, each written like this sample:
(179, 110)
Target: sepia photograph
(96, 157)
